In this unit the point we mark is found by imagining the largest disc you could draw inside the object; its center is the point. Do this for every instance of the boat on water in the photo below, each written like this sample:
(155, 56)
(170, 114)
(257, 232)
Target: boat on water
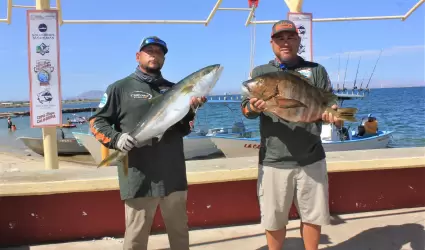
(243, 142)
(66, 147)
(233, 146)
(196, 146)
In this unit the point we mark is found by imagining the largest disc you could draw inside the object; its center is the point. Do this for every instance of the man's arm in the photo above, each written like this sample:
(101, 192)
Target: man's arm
(105, 116)
(246, 107)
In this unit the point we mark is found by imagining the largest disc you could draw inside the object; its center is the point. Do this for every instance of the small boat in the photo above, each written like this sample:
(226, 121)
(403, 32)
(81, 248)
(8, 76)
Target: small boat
(68, 126)
(246, 143)
(232, 146)
(196, 146)
(67, 146)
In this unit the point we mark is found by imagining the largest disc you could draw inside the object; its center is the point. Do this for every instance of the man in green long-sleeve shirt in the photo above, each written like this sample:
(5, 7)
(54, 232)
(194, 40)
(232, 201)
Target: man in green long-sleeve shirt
(292, 161)
(157, 172)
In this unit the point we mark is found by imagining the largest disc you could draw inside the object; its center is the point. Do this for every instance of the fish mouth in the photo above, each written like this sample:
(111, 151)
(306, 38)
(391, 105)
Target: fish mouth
(245, 88)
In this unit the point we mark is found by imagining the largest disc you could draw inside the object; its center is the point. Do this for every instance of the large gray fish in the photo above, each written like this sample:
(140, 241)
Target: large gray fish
(170, 108)
(290, 96)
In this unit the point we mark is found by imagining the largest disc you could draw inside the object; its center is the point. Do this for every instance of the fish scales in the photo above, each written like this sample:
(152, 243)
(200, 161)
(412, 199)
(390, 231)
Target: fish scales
(292, 97)
(169, 108)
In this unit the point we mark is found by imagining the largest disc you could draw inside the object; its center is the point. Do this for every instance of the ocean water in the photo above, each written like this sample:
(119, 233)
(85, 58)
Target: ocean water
(401, 110)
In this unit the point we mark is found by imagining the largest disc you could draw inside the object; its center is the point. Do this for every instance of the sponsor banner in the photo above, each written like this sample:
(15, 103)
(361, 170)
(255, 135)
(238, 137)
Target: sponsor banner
(44, 71)
(304, 23)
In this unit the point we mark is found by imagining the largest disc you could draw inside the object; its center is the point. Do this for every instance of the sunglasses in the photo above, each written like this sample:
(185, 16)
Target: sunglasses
(154, 41)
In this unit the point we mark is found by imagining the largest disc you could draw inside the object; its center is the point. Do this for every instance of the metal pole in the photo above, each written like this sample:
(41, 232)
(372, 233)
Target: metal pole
(9, 11)
(50, 145)
(412, 9)
(212, 13)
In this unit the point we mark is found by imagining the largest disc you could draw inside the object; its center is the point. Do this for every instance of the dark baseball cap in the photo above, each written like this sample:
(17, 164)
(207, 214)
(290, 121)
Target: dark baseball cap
(284, 25)
(153, 40)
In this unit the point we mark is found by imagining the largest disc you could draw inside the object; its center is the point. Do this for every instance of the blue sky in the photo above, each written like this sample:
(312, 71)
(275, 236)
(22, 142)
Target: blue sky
(93, 56)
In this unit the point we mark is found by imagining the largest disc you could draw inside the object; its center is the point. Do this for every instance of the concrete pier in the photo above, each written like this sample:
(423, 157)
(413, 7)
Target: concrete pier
(69, 204)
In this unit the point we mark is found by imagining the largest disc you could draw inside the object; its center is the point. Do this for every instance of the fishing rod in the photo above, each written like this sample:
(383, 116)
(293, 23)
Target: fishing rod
(361, 84)
(345, 74)
(367, 86)
(337, 84)
(355, 79)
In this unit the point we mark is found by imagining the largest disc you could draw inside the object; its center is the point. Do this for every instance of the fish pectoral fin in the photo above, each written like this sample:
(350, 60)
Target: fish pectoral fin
(159, 137)
(282, 102)
(156, 99)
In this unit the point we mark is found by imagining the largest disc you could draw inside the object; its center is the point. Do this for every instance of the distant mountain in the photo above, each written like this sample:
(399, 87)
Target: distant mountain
(92, 94)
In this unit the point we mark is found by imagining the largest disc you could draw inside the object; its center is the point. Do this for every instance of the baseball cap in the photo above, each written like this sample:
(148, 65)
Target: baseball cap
(153, 40)
(284, 25)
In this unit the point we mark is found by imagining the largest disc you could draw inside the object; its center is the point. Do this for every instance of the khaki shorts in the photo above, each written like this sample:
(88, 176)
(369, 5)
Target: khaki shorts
(306, 186)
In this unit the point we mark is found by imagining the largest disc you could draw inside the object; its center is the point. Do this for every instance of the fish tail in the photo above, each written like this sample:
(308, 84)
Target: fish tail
(125, 165)
(345, 114)
(115, 156)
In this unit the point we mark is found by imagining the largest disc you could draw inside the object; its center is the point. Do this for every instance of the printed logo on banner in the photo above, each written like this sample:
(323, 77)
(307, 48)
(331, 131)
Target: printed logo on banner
(42, 27)
(45, 117)
(43, 69)
(301, 49)
(301, 30)
(42, 49)
(44, 96)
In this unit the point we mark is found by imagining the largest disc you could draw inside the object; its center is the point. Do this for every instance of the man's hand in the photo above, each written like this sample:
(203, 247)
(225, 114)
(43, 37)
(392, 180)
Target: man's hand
(125, 143)
(196, 102)
(329, 118)
(257, 105)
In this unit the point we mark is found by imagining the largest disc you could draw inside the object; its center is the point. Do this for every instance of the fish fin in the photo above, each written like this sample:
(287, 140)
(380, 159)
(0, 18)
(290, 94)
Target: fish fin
(187, 88)
(159, 137)
(125, 165)
(344, 114)
(289, 103)
(115, 156)
(330, 97)
(156, 99)
(343, 111)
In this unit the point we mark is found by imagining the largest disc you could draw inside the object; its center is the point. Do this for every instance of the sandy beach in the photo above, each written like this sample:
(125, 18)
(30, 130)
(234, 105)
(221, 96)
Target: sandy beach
(30, 161)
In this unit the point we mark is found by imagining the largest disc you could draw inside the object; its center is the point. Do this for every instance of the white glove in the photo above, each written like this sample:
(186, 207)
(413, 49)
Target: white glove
(126, 143)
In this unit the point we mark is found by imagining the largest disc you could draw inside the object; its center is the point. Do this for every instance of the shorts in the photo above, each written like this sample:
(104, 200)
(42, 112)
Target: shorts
(306, 186)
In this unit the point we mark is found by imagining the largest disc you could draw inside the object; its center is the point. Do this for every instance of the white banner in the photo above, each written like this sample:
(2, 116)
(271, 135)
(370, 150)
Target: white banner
(304, 23)
(44, 71)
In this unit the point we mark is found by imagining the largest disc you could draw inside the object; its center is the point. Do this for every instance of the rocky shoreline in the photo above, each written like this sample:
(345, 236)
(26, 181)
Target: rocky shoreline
(27, 113)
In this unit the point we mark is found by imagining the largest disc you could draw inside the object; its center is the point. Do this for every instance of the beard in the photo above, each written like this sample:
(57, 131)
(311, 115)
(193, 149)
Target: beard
(156, 70)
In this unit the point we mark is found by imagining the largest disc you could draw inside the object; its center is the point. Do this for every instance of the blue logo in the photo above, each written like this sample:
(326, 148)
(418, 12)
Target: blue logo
(103, 101)
(43, 77)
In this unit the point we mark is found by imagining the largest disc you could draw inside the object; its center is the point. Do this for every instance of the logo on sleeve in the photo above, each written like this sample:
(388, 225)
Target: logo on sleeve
(103, 100)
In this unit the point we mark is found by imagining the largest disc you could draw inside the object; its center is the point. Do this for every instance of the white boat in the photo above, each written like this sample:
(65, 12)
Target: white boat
(66, 146)
(248, 146)
(247, 143)
(195, 146)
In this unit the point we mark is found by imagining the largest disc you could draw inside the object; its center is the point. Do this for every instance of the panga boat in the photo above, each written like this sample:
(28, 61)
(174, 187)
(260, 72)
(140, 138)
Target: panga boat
(246, 143)
(67, 146)
(232, 146)
(195, 146)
